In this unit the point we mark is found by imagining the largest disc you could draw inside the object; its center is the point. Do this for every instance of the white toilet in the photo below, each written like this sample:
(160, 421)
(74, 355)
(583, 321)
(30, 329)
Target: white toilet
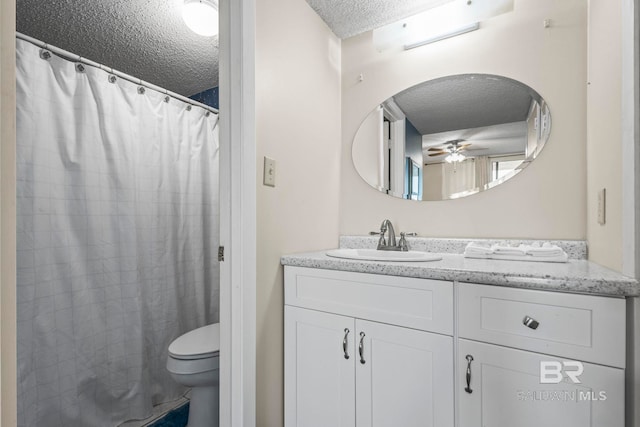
(194, 361)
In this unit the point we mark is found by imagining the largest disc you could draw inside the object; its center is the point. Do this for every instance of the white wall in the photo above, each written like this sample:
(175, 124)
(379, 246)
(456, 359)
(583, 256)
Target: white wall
(547, 200)
(604, 131)
(298, 125)
(7, 215)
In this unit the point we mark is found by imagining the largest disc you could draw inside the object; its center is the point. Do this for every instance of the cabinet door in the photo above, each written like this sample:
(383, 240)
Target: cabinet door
(403, 378)
(506, 390)
(319, 379)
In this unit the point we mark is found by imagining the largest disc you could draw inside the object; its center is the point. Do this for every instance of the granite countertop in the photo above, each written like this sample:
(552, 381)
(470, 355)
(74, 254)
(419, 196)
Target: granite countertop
(574, 276)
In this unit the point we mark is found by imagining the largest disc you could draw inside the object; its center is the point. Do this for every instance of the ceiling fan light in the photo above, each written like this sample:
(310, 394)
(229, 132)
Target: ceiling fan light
(201, 16)
(455, 157)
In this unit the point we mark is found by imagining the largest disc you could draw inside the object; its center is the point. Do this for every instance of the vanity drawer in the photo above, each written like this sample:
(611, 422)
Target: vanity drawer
(415, 303)
(581, 327)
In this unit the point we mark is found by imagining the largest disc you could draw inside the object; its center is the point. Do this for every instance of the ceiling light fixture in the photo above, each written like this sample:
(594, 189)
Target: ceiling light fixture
(444, 35)
(201, 16)
(447, 20)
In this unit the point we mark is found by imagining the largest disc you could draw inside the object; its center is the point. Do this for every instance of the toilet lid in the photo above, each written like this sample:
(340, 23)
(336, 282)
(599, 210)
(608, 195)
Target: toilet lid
(197, 344)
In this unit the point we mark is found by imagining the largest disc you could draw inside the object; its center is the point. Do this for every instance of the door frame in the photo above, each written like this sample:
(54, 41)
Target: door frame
(8, 364)
(238, 217)
(396, 117)
(631, 195)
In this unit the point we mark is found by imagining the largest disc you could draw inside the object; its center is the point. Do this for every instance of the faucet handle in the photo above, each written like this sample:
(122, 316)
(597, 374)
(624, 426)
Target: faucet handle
(382, 241)
(402, 244)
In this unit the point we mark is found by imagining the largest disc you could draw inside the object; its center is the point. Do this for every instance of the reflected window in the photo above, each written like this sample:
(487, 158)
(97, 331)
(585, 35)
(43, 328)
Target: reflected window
(503, 166)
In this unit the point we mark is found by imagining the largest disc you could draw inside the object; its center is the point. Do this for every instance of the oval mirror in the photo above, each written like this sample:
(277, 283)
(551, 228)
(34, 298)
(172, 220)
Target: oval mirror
(451, 137)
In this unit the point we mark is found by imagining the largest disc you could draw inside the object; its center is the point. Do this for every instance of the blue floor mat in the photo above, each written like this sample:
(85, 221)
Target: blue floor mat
(176, 418)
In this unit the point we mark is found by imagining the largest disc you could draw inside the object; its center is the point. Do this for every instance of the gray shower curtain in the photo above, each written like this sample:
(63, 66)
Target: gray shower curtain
(117, 238)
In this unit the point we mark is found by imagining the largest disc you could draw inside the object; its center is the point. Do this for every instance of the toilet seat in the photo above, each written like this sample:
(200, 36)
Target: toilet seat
(200, 343)
(193, 366)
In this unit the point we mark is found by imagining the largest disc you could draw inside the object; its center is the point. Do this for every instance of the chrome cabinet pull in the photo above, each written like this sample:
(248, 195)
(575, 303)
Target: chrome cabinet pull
(345, 342)
(361, 348)
(468, 387)
(530, 322)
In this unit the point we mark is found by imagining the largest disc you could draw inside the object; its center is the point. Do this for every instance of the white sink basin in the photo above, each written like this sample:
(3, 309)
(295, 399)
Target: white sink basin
(376, 255)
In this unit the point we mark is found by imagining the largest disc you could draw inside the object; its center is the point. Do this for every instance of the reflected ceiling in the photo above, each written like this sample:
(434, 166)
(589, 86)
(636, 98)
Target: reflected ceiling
(459, 102)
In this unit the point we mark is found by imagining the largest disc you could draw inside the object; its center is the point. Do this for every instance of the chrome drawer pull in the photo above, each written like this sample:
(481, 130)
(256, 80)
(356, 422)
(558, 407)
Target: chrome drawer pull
(468, 387)
(530, 322)
(345, 342)
(361, 348)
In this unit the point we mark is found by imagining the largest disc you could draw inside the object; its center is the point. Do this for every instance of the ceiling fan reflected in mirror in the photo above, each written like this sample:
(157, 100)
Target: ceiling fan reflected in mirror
(453, 149)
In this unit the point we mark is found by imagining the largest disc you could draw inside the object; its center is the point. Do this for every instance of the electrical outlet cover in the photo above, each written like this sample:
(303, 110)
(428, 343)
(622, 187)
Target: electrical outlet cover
(602, 206)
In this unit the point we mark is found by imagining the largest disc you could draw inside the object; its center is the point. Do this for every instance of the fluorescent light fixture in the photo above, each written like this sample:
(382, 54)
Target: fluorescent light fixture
(452, 33)
(201, 16)
(450, 19)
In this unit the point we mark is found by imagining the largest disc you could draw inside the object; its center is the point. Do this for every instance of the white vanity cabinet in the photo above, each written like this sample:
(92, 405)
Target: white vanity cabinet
(505, 391)
(403, 377)
(320, 381)
(562, 366)
(372, 350)
(345, 368)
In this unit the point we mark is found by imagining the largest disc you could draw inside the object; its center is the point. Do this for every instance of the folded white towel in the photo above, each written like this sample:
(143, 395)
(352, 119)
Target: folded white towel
(535, 252)
(509, 250)
(546, 253)
(546, 250)
(478, 249)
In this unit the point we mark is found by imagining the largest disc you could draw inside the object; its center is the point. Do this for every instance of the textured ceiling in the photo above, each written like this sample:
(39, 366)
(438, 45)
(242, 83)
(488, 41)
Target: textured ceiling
(487, 111)
(145, 38)
(464, 102)
(348, 18)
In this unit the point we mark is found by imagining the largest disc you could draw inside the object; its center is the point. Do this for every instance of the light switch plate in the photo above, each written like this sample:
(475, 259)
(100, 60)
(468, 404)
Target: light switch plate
(602, 206)
(269, 176)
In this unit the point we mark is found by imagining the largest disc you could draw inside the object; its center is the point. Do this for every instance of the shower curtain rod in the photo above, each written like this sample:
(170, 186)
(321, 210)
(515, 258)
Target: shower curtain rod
(73, 57)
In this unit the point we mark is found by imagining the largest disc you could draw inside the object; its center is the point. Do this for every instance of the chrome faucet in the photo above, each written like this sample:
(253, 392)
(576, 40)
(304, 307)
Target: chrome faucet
(390, 245)
(383, 245)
